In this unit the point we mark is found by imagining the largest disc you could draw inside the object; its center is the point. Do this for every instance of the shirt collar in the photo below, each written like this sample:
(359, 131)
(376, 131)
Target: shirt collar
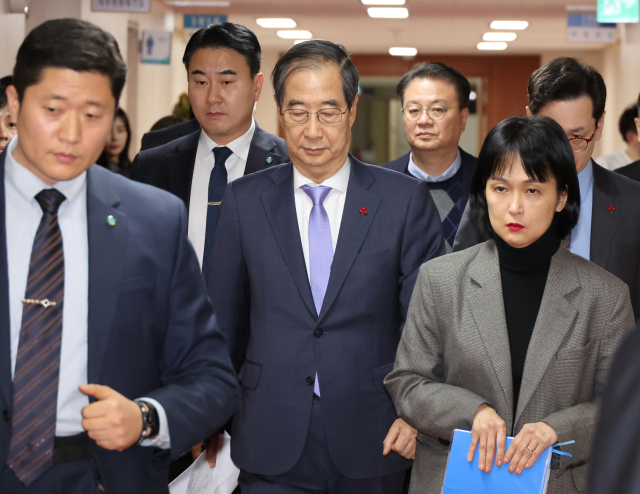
(425, 177)
(239, 146)
(585, 181)
(339, 181)
(29, 185)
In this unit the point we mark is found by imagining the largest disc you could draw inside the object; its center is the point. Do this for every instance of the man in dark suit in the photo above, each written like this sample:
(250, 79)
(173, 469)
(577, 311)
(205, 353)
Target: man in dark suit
(223, 69)
(632, 170)
(435, 100)
(615, 459)
(114, 363)
(608, 232)
(323, 253)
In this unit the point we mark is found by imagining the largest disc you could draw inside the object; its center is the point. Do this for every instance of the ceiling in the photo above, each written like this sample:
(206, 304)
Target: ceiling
(433, 26)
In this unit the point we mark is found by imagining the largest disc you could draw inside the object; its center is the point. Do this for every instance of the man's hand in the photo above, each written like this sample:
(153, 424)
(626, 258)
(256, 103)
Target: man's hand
(490, 431)
(526, 447)
(114, 422)
(212, 449)
(401, 439)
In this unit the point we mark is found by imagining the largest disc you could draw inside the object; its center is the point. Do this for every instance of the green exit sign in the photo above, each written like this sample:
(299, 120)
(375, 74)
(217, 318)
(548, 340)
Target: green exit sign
(618, 10)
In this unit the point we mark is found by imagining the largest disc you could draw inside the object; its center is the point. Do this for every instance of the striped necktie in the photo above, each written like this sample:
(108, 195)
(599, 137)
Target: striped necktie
(35, 381)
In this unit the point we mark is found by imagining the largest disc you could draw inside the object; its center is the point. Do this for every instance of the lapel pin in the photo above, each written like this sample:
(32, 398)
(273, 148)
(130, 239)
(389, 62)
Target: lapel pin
(363, 211)
(111, 221)
(611, 209)
(269, 160)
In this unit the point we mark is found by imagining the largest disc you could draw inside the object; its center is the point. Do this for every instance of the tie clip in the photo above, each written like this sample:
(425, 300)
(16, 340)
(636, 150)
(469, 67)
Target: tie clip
(214, 203)
(44, 303)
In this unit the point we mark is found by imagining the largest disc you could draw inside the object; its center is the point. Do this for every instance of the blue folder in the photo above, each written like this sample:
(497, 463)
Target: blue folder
(463, 477)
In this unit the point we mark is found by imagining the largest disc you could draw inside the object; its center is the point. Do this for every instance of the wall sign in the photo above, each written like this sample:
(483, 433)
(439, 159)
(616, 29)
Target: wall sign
(618, 11)
(156, 47)
(120, 5)
(585, 27)
(194, 21)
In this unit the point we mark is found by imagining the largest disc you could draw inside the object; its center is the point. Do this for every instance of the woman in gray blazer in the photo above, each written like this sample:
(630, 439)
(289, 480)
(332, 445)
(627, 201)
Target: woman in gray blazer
(512, 337)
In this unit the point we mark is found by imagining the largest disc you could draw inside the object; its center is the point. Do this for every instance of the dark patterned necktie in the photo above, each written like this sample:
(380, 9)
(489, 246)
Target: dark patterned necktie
(217, 184)
(35, 381)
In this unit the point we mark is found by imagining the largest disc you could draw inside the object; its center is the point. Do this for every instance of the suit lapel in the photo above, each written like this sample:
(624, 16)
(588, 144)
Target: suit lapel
(603, 222)
(555, 317)
(180, 167)
(487, 307)
(279, 206)
(261, 152)
(5, 330)
(107, 250)
(353, 229)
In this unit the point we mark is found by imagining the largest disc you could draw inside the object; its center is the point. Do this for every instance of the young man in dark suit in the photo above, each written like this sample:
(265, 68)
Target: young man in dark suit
(223, 69)
(114, 363)
(322, 253)
(435, 100)
(608, 231)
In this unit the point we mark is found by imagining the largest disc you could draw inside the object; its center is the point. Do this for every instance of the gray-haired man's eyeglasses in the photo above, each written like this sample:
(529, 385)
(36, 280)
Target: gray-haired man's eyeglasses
(325, 116)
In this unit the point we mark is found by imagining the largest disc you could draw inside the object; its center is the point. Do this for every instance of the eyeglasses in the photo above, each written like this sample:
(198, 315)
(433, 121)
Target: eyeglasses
(325, 116)
(414, 112)
(579, 144)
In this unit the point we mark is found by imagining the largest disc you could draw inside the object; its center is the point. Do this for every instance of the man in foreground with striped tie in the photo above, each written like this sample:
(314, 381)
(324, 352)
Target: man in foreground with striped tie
(112, 362)
(324, 252)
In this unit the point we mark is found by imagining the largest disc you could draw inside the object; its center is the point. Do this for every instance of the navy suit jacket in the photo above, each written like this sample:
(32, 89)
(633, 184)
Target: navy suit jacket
(157, 138)
(468, 166)
(258, 261)
(170, 166)
(615, 236)
(151, 328)
(631, 171)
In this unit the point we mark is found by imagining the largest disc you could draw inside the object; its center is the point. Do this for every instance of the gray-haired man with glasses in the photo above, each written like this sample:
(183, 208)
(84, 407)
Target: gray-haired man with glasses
(323, 253)
(608, 231)
(435, 101)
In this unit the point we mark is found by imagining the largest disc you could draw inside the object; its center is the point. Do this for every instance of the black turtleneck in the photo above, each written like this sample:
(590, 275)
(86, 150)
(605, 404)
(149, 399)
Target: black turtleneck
(524, 274)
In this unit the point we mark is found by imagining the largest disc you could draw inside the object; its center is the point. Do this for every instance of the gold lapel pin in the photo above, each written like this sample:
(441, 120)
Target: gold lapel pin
(111, 221)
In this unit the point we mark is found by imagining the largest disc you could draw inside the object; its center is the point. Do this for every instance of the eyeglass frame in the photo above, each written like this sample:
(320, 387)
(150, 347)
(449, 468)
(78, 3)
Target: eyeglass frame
(425, 110)
(583, 139)
(313, 113)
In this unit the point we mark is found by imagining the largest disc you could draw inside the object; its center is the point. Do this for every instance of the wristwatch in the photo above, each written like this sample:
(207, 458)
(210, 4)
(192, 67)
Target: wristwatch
(150, 421)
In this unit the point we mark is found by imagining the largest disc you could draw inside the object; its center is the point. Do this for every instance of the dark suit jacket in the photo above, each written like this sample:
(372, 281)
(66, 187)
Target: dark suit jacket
(615, 236)
(170, 166)
(615, 460)
(351, 343)
(151, 330)
(157, 138)
(631, 171)
(468, 167)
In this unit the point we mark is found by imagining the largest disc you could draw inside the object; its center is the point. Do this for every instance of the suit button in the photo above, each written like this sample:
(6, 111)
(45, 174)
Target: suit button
(310, 380)
(318, 333)
(5, 416)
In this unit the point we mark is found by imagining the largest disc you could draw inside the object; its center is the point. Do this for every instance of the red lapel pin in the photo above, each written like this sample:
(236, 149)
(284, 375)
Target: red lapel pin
(363, 211)
(611, 209)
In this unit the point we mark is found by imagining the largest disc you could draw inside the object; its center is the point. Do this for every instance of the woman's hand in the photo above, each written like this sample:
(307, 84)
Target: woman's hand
(526, 447)
(488, 429)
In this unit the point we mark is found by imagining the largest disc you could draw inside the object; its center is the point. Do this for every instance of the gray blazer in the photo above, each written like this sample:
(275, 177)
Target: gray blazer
(454, 356)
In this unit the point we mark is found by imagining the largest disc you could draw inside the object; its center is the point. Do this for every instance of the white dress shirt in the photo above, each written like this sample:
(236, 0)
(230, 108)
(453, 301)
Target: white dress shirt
(23, 215)
(205, 161)
(333, 204)
(425, 177)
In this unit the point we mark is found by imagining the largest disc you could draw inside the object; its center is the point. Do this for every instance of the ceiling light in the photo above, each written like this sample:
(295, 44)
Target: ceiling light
(472, 96)
(403, 52)
(275, 23)
(492, 46)
(192, 3)
(295, 34)
(515, 25)
(382, 2)
(388, 12)
(499, 36)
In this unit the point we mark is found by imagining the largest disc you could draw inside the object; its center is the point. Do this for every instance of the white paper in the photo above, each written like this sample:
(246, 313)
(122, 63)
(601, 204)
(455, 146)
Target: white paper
(200, 479)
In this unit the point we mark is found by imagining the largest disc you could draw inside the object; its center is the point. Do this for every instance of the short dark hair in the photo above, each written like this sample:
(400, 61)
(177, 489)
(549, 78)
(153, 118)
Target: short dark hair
(226, 35)
(544, 151)
(5, 82)
(313, 54)
(440, 72)
(566, 79)
(69, 44)
(627, 122)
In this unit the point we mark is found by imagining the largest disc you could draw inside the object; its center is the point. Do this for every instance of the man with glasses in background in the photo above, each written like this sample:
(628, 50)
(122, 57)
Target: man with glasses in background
(608, 231)
(323, 252)
(435, 101)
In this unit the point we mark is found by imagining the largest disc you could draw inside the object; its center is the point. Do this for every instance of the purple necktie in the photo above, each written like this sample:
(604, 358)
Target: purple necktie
(320, 250)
